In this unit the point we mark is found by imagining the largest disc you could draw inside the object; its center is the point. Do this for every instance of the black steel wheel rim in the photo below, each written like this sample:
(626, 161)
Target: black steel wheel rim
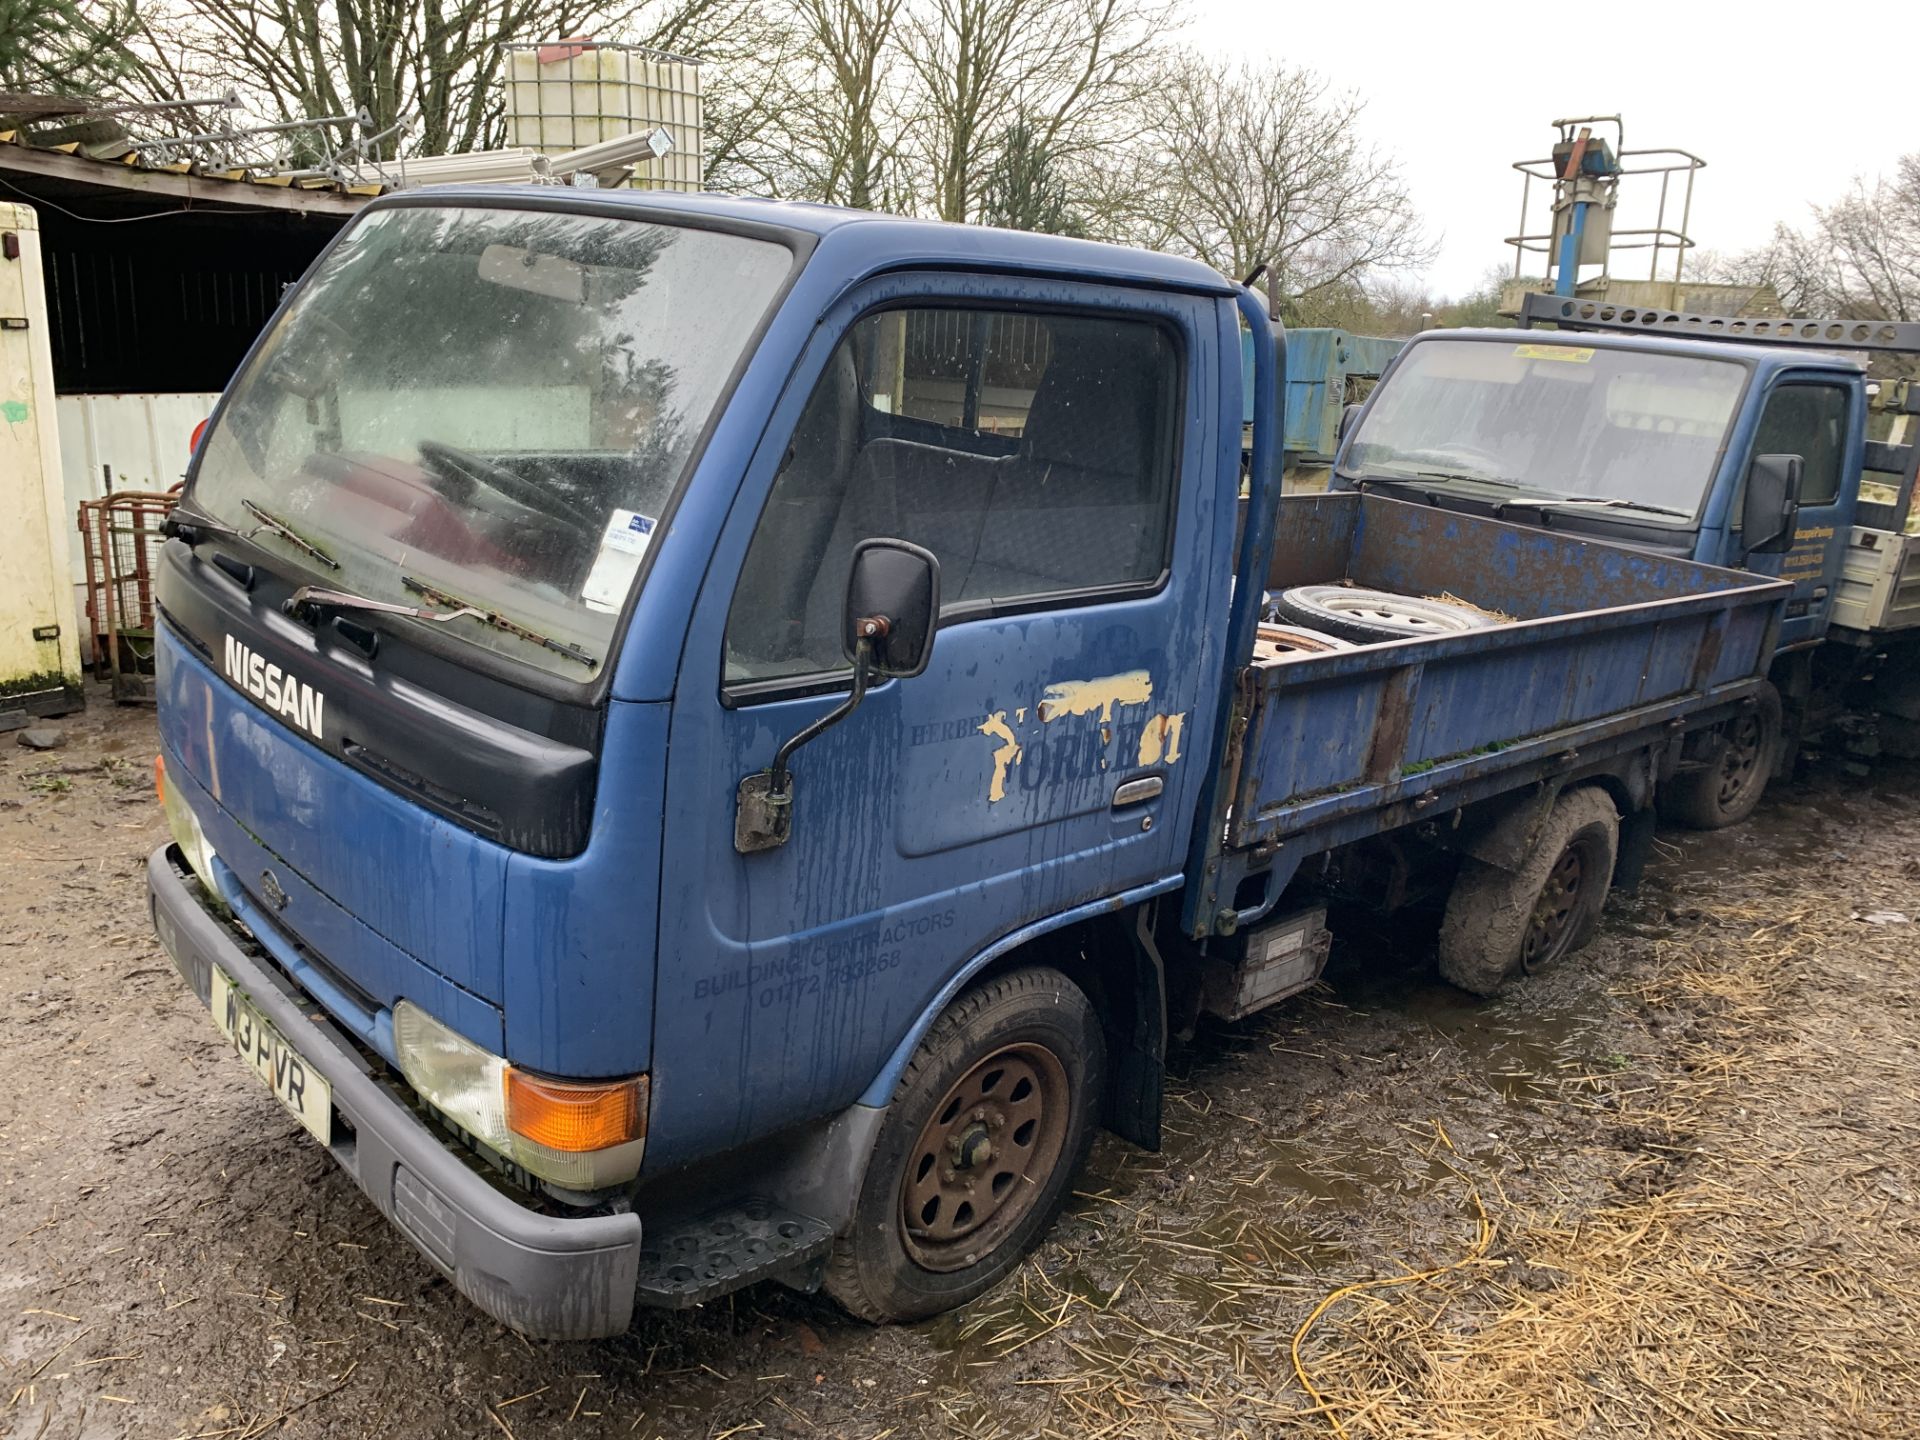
(1556, 913)
(1740, 763)
(984, 1157)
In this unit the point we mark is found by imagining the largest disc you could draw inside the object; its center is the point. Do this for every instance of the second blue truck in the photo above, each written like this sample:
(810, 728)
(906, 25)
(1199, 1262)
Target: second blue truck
(1651, 428)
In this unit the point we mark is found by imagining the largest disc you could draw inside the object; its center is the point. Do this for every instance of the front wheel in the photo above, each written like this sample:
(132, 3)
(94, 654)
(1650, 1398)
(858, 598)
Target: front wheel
(1739, 761)
(992, 1118)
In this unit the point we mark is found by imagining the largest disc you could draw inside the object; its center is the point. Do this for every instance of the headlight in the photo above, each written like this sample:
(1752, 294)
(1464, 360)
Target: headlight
(582, 1136)
(185, 826)
(454, 1075)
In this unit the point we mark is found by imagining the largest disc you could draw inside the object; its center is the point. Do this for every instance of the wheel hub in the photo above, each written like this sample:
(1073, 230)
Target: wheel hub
(1741, 759)
(984, 1157)
(1554, 912)
(975, 1147)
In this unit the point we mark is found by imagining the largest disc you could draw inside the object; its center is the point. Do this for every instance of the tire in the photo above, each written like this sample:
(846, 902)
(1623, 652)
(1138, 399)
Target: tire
(1502, 922)
(1295, 642)
(1739, 761)
(930, 1232)
(1368, 617)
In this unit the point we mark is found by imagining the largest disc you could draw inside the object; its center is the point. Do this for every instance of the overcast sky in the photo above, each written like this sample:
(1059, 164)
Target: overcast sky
(1459, 91)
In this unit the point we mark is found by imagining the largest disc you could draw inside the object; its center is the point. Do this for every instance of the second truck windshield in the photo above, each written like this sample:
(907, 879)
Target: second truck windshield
(1553, 421)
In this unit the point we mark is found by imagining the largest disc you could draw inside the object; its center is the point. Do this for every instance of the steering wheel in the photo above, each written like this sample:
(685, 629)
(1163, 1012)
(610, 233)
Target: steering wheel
(451, 462)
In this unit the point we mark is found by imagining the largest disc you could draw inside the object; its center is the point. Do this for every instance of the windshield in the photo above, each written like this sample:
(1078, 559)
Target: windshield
(488, 408)
(1555, 420)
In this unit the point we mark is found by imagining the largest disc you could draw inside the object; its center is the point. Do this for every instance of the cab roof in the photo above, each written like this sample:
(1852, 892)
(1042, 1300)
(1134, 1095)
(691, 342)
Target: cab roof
(863, 241)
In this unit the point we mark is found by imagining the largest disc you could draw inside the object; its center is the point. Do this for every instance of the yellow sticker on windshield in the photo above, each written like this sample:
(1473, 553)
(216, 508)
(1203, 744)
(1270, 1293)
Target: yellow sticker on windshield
(1579, 355)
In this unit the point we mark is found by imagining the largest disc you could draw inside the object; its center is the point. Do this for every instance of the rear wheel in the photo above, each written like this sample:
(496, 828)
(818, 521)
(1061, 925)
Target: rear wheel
(1739, 762)
(992, 1118)
(1500, 923)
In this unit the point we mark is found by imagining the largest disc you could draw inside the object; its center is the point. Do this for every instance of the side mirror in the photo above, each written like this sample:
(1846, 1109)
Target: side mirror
(1348, 415)
(893, 602)
(1771, 507)
(893, 599)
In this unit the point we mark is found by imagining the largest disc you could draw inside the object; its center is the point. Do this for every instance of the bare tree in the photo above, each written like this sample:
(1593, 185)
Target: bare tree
(1264, 166)
(745, 51)
(1859, 259)
(1025, 187)
(1872, 245)
(1068, 71)
(436, 63)
(1791, 264)
(826, 120)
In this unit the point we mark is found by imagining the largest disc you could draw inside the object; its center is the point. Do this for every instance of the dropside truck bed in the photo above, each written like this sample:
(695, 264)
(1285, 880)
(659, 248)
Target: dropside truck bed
(1612, 654)
(1879, 590)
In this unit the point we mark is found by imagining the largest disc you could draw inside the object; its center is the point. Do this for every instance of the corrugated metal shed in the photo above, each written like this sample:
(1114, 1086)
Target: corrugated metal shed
(159, 277)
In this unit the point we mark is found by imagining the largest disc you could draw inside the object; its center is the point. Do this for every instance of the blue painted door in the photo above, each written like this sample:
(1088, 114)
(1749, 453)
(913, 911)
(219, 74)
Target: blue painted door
(1069, 452)
(1809, 414)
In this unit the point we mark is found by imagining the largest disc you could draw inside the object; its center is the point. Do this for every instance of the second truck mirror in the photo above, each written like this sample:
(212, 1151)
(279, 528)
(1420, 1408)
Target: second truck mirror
(1349, 414)
(1771, 508)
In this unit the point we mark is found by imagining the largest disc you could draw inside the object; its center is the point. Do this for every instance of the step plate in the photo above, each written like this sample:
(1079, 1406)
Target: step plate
(688, 1262)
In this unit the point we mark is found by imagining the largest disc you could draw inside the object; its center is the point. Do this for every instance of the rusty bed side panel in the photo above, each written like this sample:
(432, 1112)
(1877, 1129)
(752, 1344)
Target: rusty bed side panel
(1515, 569)
(1607, 637)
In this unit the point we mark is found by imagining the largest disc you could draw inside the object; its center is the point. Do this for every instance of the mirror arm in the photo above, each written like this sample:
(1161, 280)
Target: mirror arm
(779, 777)
(763, 806)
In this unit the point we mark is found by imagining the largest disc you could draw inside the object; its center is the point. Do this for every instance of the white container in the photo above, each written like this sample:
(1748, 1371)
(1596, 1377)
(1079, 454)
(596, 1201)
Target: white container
(571, 94)
(39, 643)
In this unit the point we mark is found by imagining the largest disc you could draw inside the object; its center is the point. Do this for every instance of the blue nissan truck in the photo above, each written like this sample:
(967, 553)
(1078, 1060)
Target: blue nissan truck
(1646, 427)
(710, 741)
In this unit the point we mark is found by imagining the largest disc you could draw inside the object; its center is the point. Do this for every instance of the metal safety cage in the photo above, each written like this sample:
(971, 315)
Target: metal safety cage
(1664, 240)
(120, 538)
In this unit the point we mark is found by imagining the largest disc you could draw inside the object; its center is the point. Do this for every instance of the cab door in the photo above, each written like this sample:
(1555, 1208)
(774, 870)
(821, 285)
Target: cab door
(1064, 450)
(1820, 419)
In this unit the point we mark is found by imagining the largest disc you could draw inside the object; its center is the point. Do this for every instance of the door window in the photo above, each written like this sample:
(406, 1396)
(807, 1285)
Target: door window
(1033, 454)
(1809, 421)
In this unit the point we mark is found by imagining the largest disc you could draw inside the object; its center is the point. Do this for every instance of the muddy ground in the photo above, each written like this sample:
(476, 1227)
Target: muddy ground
(1669, 1189)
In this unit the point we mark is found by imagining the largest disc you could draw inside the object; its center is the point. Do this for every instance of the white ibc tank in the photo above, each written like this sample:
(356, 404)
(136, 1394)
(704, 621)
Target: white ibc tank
(571, 94)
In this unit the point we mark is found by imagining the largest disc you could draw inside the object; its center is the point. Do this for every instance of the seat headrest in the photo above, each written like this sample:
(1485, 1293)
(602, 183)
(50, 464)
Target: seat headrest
(825, 435)
(1097, 402)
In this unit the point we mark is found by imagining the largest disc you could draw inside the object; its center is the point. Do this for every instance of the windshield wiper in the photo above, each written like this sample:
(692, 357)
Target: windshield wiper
(1468, 476)
(498, 621)
(285, 532)
(1539, 500)
(1614, 502)
(189, 525)
(320, 598)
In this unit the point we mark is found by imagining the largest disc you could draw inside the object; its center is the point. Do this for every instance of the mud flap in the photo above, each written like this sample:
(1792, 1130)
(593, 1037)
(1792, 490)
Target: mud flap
(1136, 1035)
(1636, 848)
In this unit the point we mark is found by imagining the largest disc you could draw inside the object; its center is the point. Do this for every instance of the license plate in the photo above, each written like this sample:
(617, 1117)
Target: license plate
(294, 1083)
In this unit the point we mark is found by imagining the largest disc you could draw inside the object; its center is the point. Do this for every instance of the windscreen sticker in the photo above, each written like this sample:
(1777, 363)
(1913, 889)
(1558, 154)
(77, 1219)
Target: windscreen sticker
(1577, 354)
(623, 546)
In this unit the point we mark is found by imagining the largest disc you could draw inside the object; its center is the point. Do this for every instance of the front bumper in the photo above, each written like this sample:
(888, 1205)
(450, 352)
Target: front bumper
(552, 1277)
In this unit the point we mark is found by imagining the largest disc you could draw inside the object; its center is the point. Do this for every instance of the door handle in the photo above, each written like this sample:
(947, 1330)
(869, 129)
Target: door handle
(1133, 792)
